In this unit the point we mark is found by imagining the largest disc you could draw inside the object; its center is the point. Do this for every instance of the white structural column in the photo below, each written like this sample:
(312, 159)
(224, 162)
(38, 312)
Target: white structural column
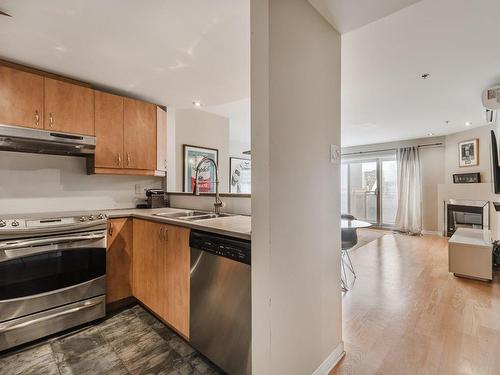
(295, 83)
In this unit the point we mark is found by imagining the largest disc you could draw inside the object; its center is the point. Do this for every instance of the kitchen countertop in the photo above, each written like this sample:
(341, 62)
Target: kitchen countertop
(238, 226)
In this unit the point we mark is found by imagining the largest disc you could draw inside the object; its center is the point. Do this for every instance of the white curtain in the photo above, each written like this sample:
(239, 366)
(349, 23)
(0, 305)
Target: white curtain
(409, 215)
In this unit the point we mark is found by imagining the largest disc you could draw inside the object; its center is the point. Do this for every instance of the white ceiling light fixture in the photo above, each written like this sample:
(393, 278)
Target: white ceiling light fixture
(430, 134)
(197, 104)
(468, 123)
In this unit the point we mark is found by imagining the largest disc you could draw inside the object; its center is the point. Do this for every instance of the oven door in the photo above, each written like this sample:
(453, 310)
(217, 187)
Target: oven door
(45, 272)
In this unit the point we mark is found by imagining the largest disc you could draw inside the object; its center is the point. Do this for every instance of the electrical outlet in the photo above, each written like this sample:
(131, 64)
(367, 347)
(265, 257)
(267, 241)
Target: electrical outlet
(138, 189)
(335, 154)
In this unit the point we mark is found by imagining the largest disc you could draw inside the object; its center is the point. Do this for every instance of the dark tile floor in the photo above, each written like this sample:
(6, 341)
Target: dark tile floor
(130, 342)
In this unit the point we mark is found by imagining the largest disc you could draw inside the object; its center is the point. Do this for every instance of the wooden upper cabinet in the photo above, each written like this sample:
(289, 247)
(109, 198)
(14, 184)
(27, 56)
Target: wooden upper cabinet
(108, 130)
(69, 108)
(161, 140)
(119, 260)
(21, 98)
(139, 141)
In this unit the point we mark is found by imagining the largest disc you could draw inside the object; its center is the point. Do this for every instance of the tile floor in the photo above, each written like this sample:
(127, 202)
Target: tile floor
(129, 342)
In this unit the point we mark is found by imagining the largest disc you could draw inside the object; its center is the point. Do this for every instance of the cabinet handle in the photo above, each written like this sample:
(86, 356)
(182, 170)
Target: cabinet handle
(37, 118)
(165, 163)
(128, 159)
(51, 120)
(119, 159)
(110, 229)
(165, 234)
(160, 231)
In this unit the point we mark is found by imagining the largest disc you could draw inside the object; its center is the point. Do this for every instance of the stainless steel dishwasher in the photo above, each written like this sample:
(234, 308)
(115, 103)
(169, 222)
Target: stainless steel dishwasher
(220, 300)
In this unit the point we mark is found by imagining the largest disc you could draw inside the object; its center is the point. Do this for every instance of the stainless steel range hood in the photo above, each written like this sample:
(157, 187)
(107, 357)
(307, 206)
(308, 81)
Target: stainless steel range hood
(18, 139)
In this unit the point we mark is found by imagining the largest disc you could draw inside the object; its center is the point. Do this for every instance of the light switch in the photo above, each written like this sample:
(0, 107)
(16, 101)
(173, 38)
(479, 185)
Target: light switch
(335, 154)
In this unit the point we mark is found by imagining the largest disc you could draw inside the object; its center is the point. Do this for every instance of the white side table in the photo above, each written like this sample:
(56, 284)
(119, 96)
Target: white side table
(470, 254)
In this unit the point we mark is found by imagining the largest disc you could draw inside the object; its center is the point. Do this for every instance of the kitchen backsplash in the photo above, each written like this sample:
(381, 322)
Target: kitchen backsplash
(32, 183)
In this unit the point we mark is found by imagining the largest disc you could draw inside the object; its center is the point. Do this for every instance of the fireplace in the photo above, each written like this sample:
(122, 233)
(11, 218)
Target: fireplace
(466, 214)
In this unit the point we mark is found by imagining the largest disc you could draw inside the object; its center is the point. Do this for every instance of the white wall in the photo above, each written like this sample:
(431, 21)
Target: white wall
(483, 191)
(232, 205)
(452, 141)
(432, 161)
(31, 183)
(296, 299)
(238, 113)
(199, 128)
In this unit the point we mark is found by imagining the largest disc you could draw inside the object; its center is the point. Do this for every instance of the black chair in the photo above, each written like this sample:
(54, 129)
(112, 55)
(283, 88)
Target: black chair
(349, 238)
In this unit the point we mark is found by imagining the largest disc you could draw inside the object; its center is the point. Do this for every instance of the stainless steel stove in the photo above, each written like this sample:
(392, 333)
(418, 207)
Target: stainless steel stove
(52, 275)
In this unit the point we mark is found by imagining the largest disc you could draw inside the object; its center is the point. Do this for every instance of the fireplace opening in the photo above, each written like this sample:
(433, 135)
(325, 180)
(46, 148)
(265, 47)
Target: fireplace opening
(466, 214)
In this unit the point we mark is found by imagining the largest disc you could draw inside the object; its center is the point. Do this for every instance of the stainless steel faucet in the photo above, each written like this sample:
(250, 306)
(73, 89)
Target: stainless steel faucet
(196, 191)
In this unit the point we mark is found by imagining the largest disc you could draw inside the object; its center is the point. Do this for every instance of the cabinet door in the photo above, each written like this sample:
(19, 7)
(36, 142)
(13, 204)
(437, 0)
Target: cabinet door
(139, 142)
(119, 260)
(69, 108)
(149, 265)
(161, 140)
(21, 98)
(108, 130)
(177, 275)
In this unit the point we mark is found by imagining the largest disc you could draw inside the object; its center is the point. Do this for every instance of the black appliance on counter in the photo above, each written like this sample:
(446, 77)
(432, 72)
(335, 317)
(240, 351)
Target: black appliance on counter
(155, 198)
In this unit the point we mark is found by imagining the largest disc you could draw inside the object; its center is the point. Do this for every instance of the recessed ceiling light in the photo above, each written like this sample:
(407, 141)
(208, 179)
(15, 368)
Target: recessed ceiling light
(468, 123)
(197, 103)
(425, 75)
(430, 134)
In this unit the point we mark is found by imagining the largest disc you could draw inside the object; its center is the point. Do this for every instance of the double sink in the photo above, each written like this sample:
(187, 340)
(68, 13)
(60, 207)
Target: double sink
(191, 215)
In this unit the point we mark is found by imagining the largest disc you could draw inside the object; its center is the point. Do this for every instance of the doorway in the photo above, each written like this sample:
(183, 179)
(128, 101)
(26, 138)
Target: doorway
(369, 189)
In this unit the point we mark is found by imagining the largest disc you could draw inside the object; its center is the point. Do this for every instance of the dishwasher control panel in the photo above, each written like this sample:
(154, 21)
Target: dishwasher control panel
(231, 248)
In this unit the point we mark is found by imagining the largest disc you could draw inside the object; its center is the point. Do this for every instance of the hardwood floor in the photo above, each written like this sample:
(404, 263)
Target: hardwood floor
(407, 315)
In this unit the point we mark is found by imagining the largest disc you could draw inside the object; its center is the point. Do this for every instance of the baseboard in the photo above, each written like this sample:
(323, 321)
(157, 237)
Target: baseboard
(331, 361)
(432, 233)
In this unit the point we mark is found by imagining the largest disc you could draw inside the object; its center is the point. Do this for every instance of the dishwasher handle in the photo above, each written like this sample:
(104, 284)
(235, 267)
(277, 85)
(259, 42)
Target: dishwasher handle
(227, 247)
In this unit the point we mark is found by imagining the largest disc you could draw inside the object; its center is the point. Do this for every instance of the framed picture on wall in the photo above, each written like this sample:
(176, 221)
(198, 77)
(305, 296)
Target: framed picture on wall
(206, 174)
(240, 175)
(468, 153)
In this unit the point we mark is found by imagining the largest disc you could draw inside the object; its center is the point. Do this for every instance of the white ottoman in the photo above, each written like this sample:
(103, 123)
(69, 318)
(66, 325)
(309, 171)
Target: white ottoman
(470, 254)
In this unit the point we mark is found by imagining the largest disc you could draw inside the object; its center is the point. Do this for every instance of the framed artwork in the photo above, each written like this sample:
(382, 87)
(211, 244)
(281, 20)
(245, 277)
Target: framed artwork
(240, 175)
(468, 153)
(206, 174)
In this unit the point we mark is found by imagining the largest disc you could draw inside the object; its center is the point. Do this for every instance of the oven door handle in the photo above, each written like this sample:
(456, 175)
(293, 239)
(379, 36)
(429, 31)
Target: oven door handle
(86, 305)
(49, 241)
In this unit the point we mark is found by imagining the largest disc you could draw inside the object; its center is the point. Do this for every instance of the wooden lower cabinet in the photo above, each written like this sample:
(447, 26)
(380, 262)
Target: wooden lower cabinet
(161, 264)
(119, 260)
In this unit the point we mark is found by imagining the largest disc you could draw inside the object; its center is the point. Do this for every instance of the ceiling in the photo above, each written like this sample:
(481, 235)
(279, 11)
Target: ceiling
(347, 15)
(170, 52)
(384, 97)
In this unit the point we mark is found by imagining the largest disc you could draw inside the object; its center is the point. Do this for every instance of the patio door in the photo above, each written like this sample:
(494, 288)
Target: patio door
(369, 189)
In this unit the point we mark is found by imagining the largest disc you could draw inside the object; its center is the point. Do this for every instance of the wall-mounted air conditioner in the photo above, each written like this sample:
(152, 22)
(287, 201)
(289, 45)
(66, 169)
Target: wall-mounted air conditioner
(491, 101)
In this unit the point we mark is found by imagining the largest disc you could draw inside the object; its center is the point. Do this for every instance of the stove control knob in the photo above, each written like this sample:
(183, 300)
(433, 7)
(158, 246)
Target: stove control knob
(3, 223)
(83, 218)
(15, 223)
(100, 216)
(91, 217)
